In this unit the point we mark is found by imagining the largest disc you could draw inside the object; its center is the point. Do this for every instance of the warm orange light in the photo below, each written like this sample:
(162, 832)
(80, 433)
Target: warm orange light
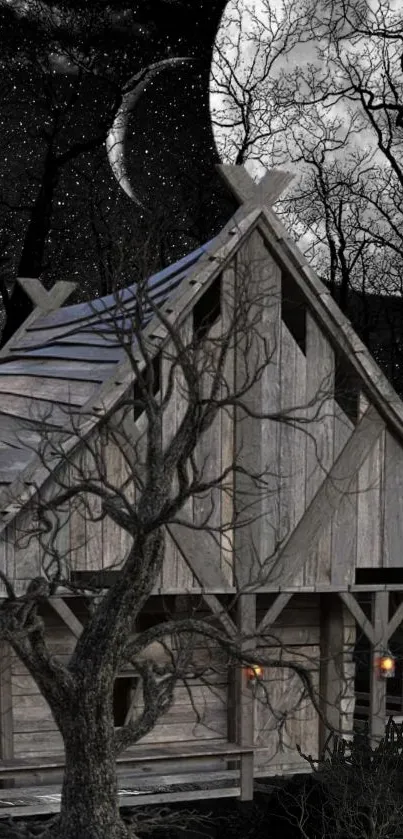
(387, 666)
(254, 672)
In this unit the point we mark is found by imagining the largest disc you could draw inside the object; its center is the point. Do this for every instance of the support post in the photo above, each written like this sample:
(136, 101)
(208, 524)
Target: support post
(6, 708)
(377, 704)
(245, 707)
(331, 644)
(336, 681)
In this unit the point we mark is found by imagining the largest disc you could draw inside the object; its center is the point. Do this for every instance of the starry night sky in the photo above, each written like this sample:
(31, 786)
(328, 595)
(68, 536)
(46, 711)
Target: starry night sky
(170, 148)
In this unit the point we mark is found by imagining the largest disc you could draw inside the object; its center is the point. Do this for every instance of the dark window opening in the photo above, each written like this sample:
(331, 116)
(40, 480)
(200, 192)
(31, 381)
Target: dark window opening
(155, 375)
(123, 689)
(347, 387)
(293, 310)
(208, 309)
(378, 576)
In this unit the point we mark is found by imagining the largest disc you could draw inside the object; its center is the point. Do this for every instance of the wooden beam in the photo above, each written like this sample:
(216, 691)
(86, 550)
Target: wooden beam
(395, 621)
(358, 614)
(329, 496)
(43, 300)
(244, 697)
(46, 301)
(377, 706)
(6, 703)
(273, 612)
(67, 615)
(250, 193)
(330, 677)
(207, 572)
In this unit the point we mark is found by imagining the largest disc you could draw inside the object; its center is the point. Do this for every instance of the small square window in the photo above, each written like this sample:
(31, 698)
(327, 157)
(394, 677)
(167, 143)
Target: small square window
(124, 691)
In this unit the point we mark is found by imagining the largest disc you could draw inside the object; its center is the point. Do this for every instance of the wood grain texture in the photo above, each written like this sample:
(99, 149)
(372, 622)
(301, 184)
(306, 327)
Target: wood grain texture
(292, 438)
(207, 506)
(6, 703)
(27, 559)
(331, 667)
(247, 191)
(377, 701)
(320, 437)
(54, 369)
(256, 440)
(288, 718)
(67, 615)
(344, 523)
(334, 322)
(370, 501)
(115, 541)
(71, 393)
(331, 492)
(273, 612)
(176, 572)
(227, 418)
(392, 504)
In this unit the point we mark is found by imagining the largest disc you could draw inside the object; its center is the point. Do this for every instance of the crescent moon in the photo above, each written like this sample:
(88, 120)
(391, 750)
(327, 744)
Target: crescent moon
(115, 140)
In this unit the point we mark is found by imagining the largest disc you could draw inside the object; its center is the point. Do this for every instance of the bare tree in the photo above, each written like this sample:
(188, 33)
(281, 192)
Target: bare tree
(327, 98)
(146, 500)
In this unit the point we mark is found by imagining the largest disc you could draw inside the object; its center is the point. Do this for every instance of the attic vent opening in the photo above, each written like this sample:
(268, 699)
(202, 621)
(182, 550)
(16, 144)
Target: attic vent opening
(154, 374)
(347, 387)
(208, 309)
(379, 576)
(293, 310)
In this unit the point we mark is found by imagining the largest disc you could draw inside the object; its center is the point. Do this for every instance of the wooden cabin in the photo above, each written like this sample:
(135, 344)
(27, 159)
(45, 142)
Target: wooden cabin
(332, 524)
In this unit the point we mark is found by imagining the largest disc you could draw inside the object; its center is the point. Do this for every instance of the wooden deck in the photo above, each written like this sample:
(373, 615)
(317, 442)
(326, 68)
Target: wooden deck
(139, 784)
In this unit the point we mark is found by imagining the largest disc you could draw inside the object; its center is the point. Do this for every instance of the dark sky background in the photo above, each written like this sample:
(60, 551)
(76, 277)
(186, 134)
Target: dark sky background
(170, 150)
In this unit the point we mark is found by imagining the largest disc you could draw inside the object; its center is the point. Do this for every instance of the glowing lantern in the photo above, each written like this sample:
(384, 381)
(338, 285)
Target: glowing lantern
(254, 673)
(387, 665)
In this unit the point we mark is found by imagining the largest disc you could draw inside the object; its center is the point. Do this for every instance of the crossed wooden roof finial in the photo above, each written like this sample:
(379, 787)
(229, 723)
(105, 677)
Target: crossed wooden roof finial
(250, 194)
(45, 300)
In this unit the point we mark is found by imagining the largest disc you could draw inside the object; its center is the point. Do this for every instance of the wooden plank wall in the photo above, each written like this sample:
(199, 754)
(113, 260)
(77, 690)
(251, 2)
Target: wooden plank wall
(257, 440)
(279, 724)
(199, 711)
(175, 573)
(393, 503)
(367, 529)
(292, 465)
(35, 731)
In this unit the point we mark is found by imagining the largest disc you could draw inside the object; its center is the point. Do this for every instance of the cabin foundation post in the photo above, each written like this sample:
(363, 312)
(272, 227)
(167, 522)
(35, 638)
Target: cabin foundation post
(6, 708)
(330, 676)
(377, 702)
(336, 679)
(241, 716)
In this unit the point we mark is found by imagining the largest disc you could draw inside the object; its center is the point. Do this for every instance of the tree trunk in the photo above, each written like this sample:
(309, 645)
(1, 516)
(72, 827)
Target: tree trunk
(89, 805)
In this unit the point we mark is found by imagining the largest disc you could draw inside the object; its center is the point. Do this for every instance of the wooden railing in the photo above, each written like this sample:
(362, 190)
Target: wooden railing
(136, 785)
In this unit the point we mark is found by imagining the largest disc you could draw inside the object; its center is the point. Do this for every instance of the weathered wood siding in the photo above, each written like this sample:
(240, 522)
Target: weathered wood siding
(199, 711)
(295, 458)
(283, 719)
(35, 730)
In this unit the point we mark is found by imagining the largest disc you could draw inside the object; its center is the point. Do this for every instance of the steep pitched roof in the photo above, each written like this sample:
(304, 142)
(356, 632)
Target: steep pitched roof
(70, 360)
(69, 365)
